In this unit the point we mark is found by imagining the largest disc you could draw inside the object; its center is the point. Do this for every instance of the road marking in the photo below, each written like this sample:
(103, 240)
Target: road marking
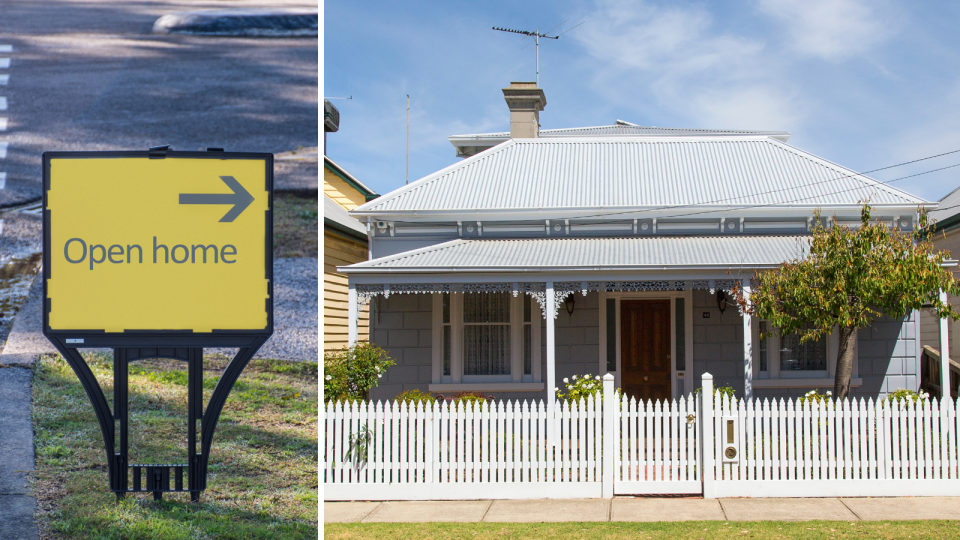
(6, 48)
(36, 210)
(3, 150)
(4, 63)
(3, 103)
(1, 226)
(4, 79)
(3, 180)
(3, 124)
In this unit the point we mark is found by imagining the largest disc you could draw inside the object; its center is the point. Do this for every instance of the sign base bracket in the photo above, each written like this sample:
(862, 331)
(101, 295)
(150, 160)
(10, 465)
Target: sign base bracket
(114, 426)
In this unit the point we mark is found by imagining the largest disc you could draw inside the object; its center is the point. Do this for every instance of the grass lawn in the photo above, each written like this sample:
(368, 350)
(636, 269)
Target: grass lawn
(262, 479)
(295, 221)
(807, 530)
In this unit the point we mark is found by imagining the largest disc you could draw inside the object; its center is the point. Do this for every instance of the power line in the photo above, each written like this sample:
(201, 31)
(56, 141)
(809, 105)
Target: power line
(715, 201)
(742, 207)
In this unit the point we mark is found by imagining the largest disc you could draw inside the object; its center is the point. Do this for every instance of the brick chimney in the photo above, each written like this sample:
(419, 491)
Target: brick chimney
(525, 101)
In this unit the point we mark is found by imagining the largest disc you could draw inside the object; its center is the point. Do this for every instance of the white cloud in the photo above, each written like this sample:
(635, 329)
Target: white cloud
(833, 30)
(677, 57)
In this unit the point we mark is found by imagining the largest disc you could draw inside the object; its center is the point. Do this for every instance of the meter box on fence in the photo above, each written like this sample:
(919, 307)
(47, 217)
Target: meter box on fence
(158, 254)
(730, 433)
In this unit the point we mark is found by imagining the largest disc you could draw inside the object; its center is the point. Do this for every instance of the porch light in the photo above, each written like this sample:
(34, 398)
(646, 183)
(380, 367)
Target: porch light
(721, 300)
(570, 303)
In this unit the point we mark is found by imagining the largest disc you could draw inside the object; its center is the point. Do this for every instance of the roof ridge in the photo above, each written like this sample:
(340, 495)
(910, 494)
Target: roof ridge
(427, 180)
(853, 174)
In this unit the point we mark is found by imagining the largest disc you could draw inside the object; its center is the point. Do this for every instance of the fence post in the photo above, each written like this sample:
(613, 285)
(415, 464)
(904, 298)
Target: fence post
(611, 410)
(706, 440)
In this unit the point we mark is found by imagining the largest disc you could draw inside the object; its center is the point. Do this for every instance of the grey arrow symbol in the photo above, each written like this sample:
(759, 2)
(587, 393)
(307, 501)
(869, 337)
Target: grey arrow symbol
(240, 198)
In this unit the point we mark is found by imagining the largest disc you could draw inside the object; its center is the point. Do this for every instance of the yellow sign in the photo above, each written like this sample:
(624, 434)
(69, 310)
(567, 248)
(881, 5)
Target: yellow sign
(173, 244)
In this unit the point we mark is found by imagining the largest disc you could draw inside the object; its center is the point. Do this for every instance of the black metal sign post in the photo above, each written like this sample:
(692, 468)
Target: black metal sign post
(134, 344)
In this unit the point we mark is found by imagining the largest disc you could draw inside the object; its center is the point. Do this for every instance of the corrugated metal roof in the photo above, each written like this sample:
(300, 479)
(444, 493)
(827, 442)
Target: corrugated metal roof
(337, 214)
(948, 207)
(592, 254)
(622, 130)
(638, 172)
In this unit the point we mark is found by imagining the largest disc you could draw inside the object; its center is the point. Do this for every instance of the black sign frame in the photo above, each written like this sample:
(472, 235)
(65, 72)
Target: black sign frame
(184, 345)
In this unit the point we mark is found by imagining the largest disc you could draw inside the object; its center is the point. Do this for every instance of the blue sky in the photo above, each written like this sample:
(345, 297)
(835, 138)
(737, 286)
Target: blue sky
(865, 84)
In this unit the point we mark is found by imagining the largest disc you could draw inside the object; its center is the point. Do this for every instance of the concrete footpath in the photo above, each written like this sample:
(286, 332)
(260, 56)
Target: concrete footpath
(644, 510)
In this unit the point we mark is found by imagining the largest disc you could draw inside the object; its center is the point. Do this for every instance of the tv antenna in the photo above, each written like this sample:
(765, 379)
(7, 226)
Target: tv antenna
(536, 35)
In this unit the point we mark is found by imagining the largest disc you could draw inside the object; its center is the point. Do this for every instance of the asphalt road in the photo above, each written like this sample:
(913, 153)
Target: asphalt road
(89, 75)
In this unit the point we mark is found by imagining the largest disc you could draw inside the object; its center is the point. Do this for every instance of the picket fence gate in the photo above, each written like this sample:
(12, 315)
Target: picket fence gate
(716, 447)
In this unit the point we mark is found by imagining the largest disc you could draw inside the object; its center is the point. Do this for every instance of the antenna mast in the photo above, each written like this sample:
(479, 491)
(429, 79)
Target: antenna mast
(536, 35)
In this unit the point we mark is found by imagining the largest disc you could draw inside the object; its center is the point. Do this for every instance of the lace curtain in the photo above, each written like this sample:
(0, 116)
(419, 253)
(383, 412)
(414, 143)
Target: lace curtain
(486, 334)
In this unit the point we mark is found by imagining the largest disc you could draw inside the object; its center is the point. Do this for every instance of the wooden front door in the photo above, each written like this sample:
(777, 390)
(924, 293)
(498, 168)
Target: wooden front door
(645, 348)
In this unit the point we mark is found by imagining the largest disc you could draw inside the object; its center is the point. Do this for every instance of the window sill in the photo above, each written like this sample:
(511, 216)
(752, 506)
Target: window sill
(800, 383)
(488, 387)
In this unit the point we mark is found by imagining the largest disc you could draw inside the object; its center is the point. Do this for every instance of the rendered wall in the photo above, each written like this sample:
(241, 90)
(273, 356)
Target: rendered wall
(403, 326)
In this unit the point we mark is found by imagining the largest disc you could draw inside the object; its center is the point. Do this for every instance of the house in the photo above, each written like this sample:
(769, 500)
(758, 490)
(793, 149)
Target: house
(937, 339)
(344, 239)
(546, 254)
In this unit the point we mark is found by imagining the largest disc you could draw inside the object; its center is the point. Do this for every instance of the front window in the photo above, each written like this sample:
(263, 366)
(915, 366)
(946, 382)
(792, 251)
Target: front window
(785, 356)
(487, 337)
(802, 356)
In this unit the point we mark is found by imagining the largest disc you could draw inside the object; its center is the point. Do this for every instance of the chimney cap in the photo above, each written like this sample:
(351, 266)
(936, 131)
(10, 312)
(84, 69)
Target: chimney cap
(524, 96)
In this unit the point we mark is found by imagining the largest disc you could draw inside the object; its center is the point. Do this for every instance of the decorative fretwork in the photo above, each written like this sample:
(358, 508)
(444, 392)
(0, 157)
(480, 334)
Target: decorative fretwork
(537, 290)
(633, 286)
(485, 287)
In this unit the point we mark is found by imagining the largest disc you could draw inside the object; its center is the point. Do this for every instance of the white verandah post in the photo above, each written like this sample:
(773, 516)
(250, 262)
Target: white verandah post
(352, 315)
(551, 364)
(944, 351)
(747, 345)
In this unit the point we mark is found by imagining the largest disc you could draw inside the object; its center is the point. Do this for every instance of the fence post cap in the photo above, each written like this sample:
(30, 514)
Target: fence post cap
(608, 377)
(707, 377)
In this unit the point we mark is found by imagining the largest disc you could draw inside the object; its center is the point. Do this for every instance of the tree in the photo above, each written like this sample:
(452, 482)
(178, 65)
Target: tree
(848, 279)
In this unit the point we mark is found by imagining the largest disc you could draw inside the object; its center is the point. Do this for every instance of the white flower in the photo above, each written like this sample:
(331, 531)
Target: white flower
(598, 377)
(829, 393)
(566, 380)
(377, 368)
(574, 377)
(328, 377)
(378, 376)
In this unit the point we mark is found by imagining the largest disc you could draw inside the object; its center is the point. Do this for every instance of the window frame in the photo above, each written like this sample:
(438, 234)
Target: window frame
(773, 373)
(516, 324)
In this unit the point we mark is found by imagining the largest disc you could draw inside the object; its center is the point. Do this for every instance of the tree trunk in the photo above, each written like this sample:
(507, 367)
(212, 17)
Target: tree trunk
(841, 381)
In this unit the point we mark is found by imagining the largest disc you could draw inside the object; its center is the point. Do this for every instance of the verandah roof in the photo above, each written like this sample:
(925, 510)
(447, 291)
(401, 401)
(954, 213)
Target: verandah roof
(591, 254)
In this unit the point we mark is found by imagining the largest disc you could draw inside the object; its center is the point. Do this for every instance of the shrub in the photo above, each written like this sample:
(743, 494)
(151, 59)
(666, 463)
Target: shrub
(813, 396)
(582, 387)
(903, 397)
(723, 391)
(411, 397)
(474, 399)
(351, 372)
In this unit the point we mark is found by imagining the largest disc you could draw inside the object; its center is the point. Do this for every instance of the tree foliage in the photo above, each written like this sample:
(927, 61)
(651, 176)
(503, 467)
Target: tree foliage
(849, 278)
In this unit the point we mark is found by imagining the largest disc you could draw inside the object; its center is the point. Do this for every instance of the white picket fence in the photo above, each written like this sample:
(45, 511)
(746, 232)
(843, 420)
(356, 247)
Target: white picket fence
(833, 448)
(463, 451)
(717, 447)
